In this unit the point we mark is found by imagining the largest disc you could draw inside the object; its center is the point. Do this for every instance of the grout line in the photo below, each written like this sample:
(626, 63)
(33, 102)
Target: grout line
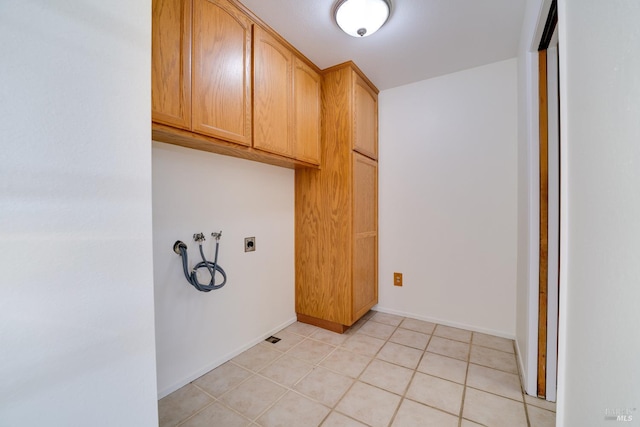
(466, 377)
(196, 413)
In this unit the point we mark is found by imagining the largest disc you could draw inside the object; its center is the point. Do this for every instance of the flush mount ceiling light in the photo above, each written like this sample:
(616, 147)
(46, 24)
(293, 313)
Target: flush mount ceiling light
(361, 18)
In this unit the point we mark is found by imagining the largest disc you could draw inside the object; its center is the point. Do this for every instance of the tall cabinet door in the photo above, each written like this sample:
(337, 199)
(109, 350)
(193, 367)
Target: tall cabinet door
(221, 71)
(307, 113)
(365, 118)
(365, 227)
(171, 63)
(273, 95)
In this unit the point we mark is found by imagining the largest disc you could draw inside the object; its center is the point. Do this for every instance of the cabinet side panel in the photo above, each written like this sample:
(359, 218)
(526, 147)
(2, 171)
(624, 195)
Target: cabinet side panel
(221, 71)
(309, 253)
(323, 252)
(171, 63)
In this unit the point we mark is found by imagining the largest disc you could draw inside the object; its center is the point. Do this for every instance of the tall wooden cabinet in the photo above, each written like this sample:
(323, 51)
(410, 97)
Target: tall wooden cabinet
(336, 207)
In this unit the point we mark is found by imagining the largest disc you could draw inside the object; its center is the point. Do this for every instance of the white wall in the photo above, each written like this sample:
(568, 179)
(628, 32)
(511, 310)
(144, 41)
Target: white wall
(599, 345)
(448, 182)
(76, 293)
(195, 191)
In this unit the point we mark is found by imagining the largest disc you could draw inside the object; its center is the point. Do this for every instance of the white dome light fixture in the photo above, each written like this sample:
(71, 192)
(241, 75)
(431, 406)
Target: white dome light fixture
(361, 18)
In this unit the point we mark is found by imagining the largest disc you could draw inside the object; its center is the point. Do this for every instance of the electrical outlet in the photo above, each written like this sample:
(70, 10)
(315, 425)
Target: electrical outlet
(249, 244)
(397, 279)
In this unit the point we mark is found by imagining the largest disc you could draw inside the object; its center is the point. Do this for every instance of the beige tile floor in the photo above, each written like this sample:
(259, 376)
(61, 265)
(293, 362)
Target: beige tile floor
(385, 371)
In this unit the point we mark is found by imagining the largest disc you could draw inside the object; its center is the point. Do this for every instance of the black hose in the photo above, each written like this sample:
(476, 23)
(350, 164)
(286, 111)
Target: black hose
(212, 267)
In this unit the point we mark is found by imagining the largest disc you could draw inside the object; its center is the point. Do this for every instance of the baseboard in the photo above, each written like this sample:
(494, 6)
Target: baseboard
(524, 380)
(168, 390)
(446, 323)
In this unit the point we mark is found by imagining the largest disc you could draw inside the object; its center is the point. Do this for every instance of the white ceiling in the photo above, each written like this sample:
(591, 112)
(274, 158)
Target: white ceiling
(421, 39)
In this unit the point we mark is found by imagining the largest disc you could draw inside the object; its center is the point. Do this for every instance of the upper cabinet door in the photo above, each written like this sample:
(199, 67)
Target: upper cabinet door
(307, 93)
(221, 71)
(365, 116)
(273, 100)
(171, 63)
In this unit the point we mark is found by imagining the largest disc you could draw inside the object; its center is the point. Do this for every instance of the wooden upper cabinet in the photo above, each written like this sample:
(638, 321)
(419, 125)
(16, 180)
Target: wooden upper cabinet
(273, 95)
(171, 63)
(307, 93)
(222, 81)
(221, 71)
(365, 118)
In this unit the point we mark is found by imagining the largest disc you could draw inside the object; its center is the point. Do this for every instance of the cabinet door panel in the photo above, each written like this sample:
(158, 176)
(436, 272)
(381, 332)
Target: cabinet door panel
(365, 226)
(307, 113)
(221, 71)
(171, 63)
(365, 274)
(365, 119)
(273, 101)
(365, 182)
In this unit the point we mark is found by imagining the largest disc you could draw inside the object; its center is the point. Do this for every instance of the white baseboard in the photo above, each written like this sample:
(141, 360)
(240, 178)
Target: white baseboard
(200, 372)
(446, 322)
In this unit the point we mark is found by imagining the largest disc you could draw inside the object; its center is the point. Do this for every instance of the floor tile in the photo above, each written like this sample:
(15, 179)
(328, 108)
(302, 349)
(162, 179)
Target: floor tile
(494, 381)
(354, 328)
(539, 417)
(287, 370)
(363, 344)
(311, 351)
(375, 374)
(493, 359)
(413, 414)
(540, 403)
(492, 410)
(369, 314)
(369, 404)
(181, 404)
(293, 410)
(219, 415)
(387, 376)
(324, 386)
(301, 329)
(287, 340)
(410, 338)
(436, 392)
(346, 362)
(257, 357)
(452, 333)
(253, 396)
(329, 337)
(376, 330)
(418, 325)
(336, 419)
(444, 367)
(496, 343)
(447, 347)
(400, 355)
(222, 379)
(388, 319)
